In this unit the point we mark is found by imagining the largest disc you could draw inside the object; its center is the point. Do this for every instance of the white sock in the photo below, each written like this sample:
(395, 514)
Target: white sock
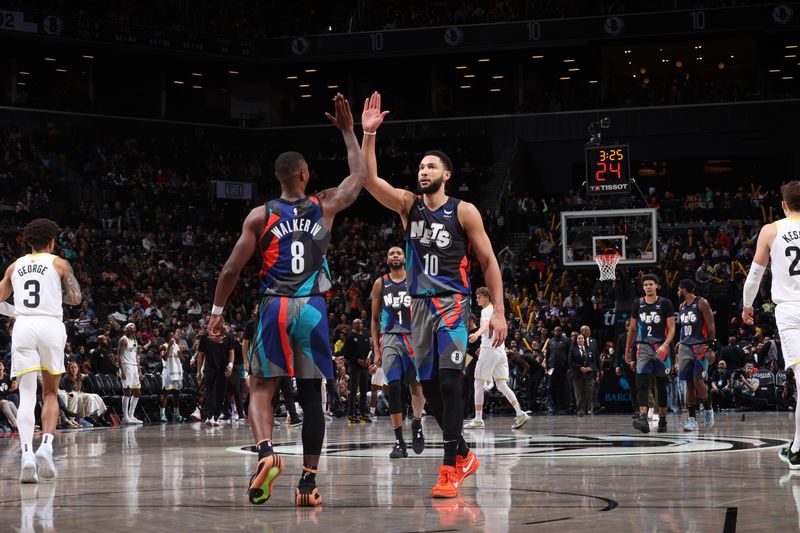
(796, 442)
(478, 398)
(162, 411)
(47, 442)
(25, 415)
(505, 390)
(126, 406)
(134, 401)
(478, 415)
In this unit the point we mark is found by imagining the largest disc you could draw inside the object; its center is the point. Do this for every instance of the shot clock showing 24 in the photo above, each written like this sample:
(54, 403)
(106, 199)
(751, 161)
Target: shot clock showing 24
(607, 169)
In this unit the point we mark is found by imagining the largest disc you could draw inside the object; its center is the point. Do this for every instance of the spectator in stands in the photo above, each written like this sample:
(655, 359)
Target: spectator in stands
(8, 408)
(557, 350)
(721, 387)
(89, 407)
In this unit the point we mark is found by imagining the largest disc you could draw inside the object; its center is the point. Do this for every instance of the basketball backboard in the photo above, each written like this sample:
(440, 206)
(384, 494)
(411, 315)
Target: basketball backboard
(631, 232)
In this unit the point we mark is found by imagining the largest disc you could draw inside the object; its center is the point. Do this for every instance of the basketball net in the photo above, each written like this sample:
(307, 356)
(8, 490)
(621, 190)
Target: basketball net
(607, 263)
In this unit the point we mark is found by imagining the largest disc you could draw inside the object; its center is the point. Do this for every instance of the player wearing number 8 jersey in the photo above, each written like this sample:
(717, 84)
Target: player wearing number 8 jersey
(779, 244)
(40, 283)
(291, 333)
(440, 233)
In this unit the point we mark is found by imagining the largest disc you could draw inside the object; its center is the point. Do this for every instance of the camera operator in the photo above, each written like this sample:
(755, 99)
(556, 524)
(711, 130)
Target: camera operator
(745, 388)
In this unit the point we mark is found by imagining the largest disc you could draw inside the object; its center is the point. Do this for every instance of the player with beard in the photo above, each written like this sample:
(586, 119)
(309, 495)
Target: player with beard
(391, 326)
(441, 233)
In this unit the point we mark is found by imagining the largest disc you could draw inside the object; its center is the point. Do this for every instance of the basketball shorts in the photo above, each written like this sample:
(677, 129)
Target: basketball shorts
(439, 333)
(398, 360)
(38, 344)
(171, 381)
(787, 318)
(492, 364)
(693, 361)
(291, 339)
(131, 379)
(647, 362)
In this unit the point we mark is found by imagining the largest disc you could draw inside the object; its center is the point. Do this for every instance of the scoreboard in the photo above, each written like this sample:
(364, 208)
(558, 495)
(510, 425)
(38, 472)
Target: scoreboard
(607, 169)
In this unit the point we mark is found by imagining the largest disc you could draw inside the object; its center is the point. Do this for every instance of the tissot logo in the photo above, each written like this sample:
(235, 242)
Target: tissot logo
(550, 446)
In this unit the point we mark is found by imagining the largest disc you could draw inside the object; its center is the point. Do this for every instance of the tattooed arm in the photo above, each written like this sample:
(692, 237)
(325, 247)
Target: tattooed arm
(70, 286)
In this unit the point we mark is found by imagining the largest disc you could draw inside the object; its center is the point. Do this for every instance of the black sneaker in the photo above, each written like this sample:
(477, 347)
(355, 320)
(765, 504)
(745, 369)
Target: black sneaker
(417, 437)
(641, 423)
(296, 421)
(793, 459)
(399, 450)
(662, 424)
(366, 419)
(353, 419)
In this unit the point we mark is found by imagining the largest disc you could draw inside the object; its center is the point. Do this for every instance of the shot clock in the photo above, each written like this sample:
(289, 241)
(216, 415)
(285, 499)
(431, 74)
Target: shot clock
(607, 169)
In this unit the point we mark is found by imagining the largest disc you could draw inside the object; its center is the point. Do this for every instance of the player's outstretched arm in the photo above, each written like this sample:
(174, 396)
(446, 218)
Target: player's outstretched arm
(398, 200)
(69, 284)
(242, 252)
(757, 269)
(471, 221)
(5, 285)
(339, 198)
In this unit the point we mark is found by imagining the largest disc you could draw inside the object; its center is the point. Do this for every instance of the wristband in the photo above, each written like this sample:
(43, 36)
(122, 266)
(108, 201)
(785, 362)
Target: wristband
(230, 366)
(217, 310)
(370, 133)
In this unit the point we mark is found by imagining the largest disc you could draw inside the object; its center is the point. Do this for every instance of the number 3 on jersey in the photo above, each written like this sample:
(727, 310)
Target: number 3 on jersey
(33, 300)
(431, 267)
(298, 261)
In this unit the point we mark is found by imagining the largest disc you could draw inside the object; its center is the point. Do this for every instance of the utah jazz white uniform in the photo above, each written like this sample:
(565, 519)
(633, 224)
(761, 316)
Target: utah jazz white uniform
(785, 258)
(492, 362)
(39, 335)
(172, 373)
(130, 364)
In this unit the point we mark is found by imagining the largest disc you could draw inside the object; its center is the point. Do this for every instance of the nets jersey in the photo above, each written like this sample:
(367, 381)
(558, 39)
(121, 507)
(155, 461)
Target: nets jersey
(437, 250)
(652, 319)
(693, 324)
(37, 286)
(293, 247)
(395, 306)
(784, 255)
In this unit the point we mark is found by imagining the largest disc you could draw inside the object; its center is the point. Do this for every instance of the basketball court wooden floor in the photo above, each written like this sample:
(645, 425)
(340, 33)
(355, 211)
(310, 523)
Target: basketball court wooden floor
(565, 473)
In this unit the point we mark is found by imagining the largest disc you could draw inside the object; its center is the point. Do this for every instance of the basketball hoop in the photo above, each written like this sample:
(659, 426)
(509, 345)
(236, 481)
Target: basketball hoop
(607, 263)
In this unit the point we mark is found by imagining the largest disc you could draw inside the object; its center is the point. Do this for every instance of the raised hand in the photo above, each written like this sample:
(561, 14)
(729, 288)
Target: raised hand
(343, 119)
(372, 116)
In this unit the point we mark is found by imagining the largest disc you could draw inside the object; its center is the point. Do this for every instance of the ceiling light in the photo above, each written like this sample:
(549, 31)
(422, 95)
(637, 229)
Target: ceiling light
(49, 59)
(679, 63)
(576, 69)
(234, 72)
(310, 70)
(177, 82)
(699, 58)
(721, 66)
(461, 67)
(630, 62)
(642, 70)
(537, 57)
(592, 81)
(484, 60)
(305, 96)
(87, 56)
(731, 56)
(569, 61)
(497, 77)
(469, 75)
(24, 73)
(774, 70)
(61, 70)
(565, 78)
(197, 86)
(787, 78)
(465, 87)
(791, 46)
(304, 85)
(494, 90)
(787, 56)
(21, 83)
(197, 74)
(291, 77)
(333, 86)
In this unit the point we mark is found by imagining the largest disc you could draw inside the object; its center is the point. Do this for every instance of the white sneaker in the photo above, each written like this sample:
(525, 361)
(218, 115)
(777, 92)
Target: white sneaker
(691, 425)
(520, 421)
(654, 420)
(474, 424)
(210, 422)
(708, 416)
(650, 414)
(27, 470)
(135, 420)
(127, 421)
(217, 423)
(44, 461)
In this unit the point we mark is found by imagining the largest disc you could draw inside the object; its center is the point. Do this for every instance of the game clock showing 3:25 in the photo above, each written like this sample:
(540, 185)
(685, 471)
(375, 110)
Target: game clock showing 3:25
(607, 169)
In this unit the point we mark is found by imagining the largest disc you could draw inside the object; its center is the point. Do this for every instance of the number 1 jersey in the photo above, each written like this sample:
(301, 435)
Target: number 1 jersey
(785, 256)
(437, 251)
(293, 247)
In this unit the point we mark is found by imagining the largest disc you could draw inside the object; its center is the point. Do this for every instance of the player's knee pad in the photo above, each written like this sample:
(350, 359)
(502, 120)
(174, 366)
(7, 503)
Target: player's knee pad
(395, 397)
(642, 388)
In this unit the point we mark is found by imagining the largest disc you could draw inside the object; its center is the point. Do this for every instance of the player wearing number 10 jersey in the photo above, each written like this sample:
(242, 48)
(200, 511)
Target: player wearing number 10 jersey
(440, 233)
(291, 335)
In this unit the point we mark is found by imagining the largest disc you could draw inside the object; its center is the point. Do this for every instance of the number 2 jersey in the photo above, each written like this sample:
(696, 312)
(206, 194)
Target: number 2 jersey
(785, 257)
(37, 286)
(652, 319)
(293, 247)
(437, 251)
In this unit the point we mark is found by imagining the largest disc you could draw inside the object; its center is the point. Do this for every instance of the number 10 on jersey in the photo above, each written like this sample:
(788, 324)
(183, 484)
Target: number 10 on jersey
(431, 267)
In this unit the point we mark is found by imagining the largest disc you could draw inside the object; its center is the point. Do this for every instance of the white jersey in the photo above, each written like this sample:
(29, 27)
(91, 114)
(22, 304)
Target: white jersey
(130, 354)
(37, 286)
(785, 258)
(486, 340)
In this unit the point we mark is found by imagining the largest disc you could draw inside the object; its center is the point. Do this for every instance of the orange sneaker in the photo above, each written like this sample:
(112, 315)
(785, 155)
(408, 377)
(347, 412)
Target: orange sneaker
(456, 511)
(305, 496)
(447, 486)
(466, 466)
(268, 470)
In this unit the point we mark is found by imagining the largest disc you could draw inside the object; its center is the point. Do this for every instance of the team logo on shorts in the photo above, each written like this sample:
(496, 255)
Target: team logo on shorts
(548, 446)
(457, 357)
